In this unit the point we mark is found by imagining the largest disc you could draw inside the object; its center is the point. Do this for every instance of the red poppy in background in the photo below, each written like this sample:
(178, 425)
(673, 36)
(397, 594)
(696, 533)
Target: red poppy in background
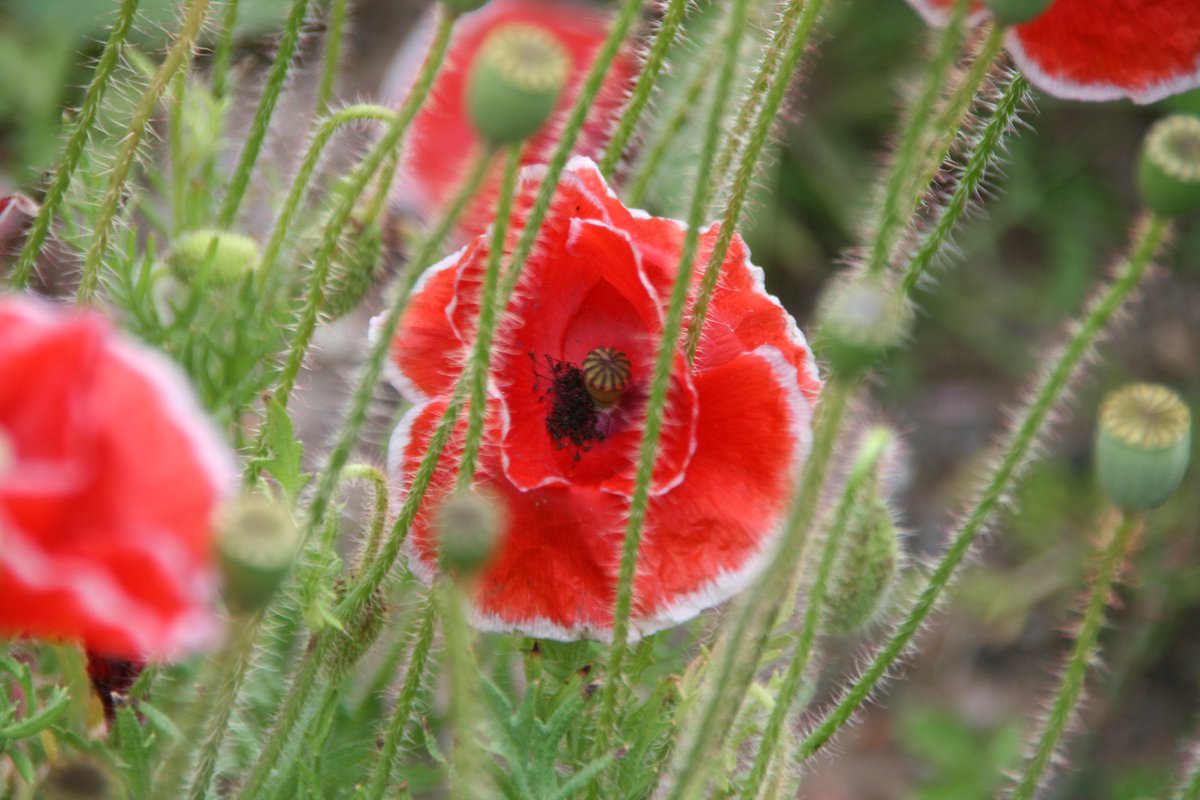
(442, 144)
(570, 376)
(1104, 49)
(109, 474)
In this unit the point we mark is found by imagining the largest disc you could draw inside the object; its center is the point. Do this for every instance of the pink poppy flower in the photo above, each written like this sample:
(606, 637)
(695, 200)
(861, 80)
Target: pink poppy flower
(1103, 49)
(109, 474)
(442, 144)
(569, 382)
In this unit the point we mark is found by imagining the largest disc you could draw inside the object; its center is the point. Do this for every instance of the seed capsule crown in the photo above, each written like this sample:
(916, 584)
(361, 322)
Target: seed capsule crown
(606, 373)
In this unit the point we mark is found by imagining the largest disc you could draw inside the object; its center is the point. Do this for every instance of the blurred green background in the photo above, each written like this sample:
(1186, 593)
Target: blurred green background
(1059, 215)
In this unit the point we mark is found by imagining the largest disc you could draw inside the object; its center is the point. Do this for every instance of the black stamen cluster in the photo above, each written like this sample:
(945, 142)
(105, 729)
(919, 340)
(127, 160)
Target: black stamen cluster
(573, 419)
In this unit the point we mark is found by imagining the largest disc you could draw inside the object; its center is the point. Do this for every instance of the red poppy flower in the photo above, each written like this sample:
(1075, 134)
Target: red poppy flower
(108, 476)
(1104, 49)
(442, 144)
(569, 381)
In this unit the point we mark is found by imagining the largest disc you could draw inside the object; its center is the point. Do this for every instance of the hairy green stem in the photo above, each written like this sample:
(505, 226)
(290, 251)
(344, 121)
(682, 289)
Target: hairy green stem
(223, 52)
(467, 775)
(261, 123)
(1083, 655)
(179, 55)
(76, 143)
(1007, 470)
(379, 511)
(906, 165)
(864, 468)
(808, 12)
(655, 59)
(333, 53)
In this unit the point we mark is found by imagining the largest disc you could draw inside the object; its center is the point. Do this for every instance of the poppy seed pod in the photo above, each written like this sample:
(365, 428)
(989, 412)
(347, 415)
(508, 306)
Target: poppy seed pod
(219, 257)
(256, 543)
(1169, 169)
(462, 6)
(866, 567)
(861, 320)
(515, 82)
(469, 525)
(1012, 12)
(1143, 443)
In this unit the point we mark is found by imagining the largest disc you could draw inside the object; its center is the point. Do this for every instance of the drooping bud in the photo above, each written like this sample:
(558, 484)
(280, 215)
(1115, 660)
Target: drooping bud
(515, 82)
(606, 374)
(1169, 170)
(861, 319)
(462, 6)
(1013, 12)
(220, 258)
(78, 779)
(1143, 442)
(866, 567)
(257, 542)
(355, 265)
(356, 636)
(469, 526)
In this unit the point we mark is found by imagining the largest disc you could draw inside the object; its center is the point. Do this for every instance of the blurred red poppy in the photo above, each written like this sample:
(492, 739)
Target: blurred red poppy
(1104, 49)
(109, 474)
(442, 144)
(570, 377)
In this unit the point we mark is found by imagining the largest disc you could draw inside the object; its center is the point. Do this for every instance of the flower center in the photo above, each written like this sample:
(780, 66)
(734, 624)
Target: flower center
(605, 375)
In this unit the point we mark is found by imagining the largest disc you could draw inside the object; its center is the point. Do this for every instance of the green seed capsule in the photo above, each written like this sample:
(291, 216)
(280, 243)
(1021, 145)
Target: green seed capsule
(866, 568)
(515, 82)
(861, 320)
(469, 526)
(606, 374)
(257, 542)
(1143, 444)
(1169, 169)
(218, 257)
(1013, 12)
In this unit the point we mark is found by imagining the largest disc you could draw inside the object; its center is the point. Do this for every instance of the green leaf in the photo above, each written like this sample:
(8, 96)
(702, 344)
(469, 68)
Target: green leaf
(23, 765)
(38, 722)
(286, 452)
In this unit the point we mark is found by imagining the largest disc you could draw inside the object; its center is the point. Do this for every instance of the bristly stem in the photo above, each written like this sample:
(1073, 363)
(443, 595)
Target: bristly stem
(664, 365)
(179, 55)
(655, 59)
(864, 468)
(907, 164)
(983, 155)
(385, 759)
(479, 365)
(223, 52)
(333, 53)
(1083, 654)
(467, 774)
(1009, 467)
(76, 143)
(737, 653)
(808, 12)
(257, 134)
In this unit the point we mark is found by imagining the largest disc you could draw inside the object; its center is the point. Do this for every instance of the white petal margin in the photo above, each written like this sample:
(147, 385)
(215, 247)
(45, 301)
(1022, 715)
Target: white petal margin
(1096, 92)
(399, 483)
(937, 16)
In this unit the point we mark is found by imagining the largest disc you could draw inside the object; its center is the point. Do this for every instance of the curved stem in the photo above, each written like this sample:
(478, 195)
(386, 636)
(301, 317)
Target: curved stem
(653, 64)
(1083, 655)
(262, 115)
(660, 382)
(76, 142)
(179, 54)
(807, 11)
(379, 513)
(1006, 471)
(864, 469)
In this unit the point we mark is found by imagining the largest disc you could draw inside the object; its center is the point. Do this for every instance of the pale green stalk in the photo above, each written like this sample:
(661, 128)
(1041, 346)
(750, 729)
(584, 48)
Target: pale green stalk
(177, 57)
(76, 143)
(223, 52)
(607, 728)
(1009, 467)
(333, 52)
(467, 775)
(179, 182)
(667, 31)
(379, 511)
(1083, 655)
(276, 76)
(865, 467)
(809, 12)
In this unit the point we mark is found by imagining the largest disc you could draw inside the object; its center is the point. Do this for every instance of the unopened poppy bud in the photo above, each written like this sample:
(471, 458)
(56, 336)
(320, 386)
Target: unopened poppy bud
(515, 82)
(469, 526)
(865, 570)
(462, 6)
(1169, 171)
(1012, 12)
(861, 320)
(355, 265)
(1143, 442)
(78, 779)
(356, 636)
(219, 257)
(257, 542)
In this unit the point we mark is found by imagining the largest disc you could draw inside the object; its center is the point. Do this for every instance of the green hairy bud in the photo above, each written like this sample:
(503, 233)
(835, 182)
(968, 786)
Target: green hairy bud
(861, 320)
(356, 636)
(355, 266)
(866, 568)
(218, 257)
